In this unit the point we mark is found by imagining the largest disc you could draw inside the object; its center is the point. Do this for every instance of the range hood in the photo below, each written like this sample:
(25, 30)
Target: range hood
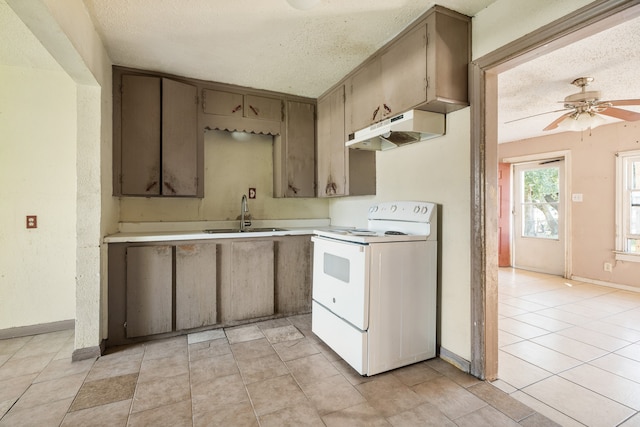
(403, 129)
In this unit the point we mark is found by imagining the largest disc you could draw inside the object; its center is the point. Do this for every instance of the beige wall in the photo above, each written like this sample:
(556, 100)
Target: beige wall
(38, 176)
(231, 168)
(67, 33)
(593, 175)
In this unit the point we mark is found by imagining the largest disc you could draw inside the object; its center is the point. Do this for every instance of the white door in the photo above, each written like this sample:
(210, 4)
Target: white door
(539, 221)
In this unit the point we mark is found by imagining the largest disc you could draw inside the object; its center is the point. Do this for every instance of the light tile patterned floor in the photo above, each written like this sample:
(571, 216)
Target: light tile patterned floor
(570, 350)
(272, 373)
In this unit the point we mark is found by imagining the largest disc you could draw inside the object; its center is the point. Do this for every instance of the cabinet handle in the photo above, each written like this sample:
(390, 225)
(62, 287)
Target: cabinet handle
(170, 187)
(375, 113)
(150, 186)
(239, 106)
(331, 189)
(255, 111)
(387, 109)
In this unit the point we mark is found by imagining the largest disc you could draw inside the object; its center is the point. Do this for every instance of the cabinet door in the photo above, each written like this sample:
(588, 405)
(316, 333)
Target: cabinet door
(195, 285)
(222, 103)
(366, 97)
(331, 145)
(252, 273)
(262, 108)
(300, 149)
(149, 290)
(179, 139)
(404, 73)
(140, 139)
(293, 275)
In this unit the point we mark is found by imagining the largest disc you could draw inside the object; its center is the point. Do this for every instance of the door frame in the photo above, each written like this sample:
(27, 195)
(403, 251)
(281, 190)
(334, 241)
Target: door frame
(483, 90)
(566, 156)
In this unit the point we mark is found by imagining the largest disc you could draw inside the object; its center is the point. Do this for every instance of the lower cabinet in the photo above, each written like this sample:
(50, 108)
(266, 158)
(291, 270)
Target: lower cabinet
(165, 288)
(150, 281)
(248, 291)
(196, 291)
(149, 290)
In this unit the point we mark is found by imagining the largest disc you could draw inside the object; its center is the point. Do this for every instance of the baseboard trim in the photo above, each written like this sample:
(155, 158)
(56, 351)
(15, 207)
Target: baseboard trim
(43, 328)
(87, 353)
(457, 361)
(606, 284)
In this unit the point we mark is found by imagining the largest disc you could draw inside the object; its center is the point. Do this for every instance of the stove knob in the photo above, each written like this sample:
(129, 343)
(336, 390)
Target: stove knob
(416, 209)
(424, 210)
(393, 208)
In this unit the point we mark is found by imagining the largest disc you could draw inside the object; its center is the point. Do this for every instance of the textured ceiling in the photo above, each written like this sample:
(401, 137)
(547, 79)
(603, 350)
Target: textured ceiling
(268, 45)
(265, 44)
(611, 57)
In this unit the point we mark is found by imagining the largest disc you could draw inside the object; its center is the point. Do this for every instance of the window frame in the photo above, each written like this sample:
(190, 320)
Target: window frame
(623, 162)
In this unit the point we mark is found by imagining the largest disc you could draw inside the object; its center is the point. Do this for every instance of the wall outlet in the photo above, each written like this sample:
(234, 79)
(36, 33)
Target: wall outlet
(576, 197)
(32, 221)
(608, 267)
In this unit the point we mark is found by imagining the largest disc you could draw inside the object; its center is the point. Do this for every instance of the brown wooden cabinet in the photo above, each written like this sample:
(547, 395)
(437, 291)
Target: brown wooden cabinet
(332, 153)
(196, 285)
(424, 68)
(166, 288)
(148, 290)
(341, 172)
(247, 291)
(156, 148)
(160, 288)
(293, 264)
(224, 103)
(294, 152)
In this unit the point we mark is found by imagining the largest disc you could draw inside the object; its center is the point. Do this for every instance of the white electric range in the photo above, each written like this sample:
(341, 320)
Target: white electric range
(375, 290)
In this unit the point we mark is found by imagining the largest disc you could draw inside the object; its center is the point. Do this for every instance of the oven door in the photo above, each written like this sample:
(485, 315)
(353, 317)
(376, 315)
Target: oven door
(341, 279)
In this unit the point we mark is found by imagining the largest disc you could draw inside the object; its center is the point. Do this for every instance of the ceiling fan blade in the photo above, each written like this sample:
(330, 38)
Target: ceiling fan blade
(618, 113)
(535, 115)
(554, 124)
(624, 102)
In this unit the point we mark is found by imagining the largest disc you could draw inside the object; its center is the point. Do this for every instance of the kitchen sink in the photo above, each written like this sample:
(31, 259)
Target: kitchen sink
(237, 230)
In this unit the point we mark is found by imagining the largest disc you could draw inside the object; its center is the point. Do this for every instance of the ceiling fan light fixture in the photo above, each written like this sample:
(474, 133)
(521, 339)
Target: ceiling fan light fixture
(578, 122)
(303, 4)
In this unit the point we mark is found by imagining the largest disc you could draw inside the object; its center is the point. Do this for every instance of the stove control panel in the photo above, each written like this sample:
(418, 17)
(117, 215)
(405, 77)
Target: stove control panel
(402, 211)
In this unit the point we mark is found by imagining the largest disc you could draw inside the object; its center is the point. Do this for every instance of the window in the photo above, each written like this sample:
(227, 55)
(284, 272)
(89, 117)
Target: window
(628, 206)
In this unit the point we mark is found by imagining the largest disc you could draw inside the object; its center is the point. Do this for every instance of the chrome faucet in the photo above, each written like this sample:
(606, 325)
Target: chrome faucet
(244, 208)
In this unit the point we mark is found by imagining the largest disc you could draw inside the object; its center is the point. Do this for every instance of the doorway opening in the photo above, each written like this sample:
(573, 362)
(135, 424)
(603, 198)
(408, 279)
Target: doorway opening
(484, 160)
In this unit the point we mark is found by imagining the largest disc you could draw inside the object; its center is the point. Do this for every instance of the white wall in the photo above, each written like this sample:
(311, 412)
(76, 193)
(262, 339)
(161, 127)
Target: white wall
(38, 177)
(231, 168)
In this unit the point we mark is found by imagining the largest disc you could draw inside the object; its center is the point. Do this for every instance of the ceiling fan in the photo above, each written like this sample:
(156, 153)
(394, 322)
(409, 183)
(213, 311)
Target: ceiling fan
(585, 109)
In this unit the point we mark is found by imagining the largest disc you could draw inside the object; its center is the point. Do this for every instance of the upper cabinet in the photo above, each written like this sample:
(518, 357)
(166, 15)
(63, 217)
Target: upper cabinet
(341, 172)
(332, 153)
(235, 111)
(294, 152)
(157, 149)
(424, 68)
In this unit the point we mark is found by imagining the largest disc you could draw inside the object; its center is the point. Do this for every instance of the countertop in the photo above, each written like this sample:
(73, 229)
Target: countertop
(176, 231)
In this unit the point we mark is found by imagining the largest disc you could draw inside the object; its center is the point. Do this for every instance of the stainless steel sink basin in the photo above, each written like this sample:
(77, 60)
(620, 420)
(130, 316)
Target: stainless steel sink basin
(236, 230)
